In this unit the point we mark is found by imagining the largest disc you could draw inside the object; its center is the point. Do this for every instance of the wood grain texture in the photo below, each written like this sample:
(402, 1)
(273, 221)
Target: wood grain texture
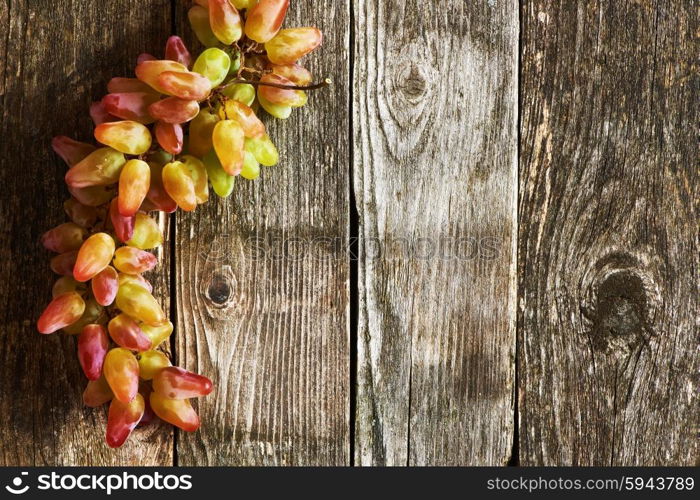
(271, 325)
(609, 257)
(56, 58)
(435, 128)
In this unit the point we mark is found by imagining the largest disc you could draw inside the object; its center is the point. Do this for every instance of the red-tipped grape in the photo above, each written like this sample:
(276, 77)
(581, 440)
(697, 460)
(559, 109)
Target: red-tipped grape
(99, 114)
(82, 215)
(294, 73)
(280, 96)
(198, 174)
(64, 238)
(245, 116)
(97, 393)
(290, 45)
(70, 150)
(132, 260)
(179, 185)
(201, 131)
(265, 19)
(92, 349)
(136, 279)
(131, 105)
(120, 85)
(178, 412)
(185, 85)
(128, 137)
(64, 263)
(126, 333)
(225, 21)
(121, 370)
(94, 255)
(158, 334)
(100, 168)
(138, 303)
(134, 182)
(123, 226)
(157, 194)
(149, 71)
(177, 383)
(63, 311)
(123, 419)
(176, 50)
(170, 137)
(105, 285)
(174, 110)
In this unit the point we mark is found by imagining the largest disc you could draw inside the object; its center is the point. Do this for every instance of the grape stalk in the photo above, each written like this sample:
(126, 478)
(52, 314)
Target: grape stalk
(180, 126)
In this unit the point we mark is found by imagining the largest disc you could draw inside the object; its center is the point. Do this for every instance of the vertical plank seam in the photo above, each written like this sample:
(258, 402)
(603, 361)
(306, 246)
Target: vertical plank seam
(173, 267)
(515, 450)
(353, 235)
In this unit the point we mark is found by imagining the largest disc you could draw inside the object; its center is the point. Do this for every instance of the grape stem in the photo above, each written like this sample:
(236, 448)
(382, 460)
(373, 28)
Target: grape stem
(315, 86)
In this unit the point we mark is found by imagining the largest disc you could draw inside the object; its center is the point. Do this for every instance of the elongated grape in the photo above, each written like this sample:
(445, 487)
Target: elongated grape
(64, 238)
(94, 313)
(199, 21)
(198, 174)
(82, 215)
(157, 194)
(93, 196)
(294, 73)
(121, 370)
(99, 114)
(177, 383)
(139, 304)
(147, 234)
(201, 131)
(127, 136)
(229, 141)
(148, 413)
(100, 168)
(151, 362)
(97, 393)
(243, 92)
(265, 19)
(174, 110)
(225, 21)
(220, 180)
(149, 71)
(214, 64)
(176, 50)
(170, 136)
(178, 412)
(264, 150)
(94, 255)
(158, 334)
(64, 310)
(105, 285)
(92, 349)
(277, 110)
(179, 185)
(123, 419)
(290, 45)
(131, 105)
(185, 85)
(132, 260)
(251, 167)
(72, 151)
(64, 263)
(241, 4)
(138, 280)
(66, 284)
(245, 116)
(134, 182)
(281, 96)
(126, 333)
(120, 85)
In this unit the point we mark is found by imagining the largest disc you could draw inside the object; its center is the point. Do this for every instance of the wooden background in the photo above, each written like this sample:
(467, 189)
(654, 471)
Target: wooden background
(496, 209)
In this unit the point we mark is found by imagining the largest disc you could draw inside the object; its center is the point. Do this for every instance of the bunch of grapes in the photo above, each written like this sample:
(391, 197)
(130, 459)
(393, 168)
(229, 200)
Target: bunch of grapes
(181, 125)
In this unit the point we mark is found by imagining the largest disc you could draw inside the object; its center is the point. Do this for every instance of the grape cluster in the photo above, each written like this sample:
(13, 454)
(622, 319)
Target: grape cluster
(181, 125)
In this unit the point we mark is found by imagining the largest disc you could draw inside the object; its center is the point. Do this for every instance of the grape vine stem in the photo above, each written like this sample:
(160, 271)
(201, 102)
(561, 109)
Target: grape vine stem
(315, 86)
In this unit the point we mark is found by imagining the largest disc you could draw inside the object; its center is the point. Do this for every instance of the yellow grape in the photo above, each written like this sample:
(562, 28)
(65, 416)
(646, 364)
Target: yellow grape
(138, 303)
(243, 92)
(200, 180)
(276, 110)
(201, 131)
(290, 45)
(179, 185)
(66, 284)
(121, 371)
(151, 362)
(229, 141)
(265, 19)
(94, 255)
(245, 116)
(178, 412)
(132, 260)
(147, 233)
(241, 4)
(128, 137)
(214, 64)
(225, 21)
(157, 334)
(134, 182)
(251, 168)
(100, 168)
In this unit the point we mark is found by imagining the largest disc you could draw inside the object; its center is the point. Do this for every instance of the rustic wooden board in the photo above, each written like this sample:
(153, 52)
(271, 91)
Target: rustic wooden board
(272, 327)
(435, 129)
(608, 242)
(56, 57)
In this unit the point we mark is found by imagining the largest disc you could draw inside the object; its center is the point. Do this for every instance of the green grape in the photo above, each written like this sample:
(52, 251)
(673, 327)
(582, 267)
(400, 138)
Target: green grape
(264, 150)
(242, 92)
(251, 167)
(147, 234)
(221, 181)
(214, 64)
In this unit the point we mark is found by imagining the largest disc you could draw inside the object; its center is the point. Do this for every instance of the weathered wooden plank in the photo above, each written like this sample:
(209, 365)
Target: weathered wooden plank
(57, 57)
(271, 327)
(609, 244)
(435, 127)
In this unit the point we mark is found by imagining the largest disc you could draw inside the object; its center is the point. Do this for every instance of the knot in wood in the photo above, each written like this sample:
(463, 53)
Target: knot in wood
(411, 83)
